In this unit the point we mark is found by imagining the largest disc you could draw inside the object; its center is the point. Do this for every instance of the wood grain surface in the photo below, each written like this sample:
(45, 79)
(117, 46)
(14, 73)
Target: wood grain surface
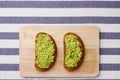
(89, 35)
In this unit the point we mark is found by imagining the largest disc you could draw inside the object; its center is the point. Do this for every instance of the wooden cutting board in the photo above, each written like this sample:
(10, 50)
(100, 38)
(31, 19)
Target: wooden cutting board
(89, 35)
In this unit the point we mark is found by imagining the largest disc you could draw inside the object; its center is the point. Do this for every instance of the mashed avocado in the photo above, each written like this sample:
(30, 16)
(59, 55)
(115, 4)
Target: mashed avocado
(73, 50)
(44, 51)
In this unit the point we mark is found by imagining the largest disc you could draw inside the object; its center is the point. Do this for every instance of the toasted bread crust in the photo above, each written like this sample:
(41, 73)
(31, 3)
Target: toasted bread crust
(55, 54)
(83, 52)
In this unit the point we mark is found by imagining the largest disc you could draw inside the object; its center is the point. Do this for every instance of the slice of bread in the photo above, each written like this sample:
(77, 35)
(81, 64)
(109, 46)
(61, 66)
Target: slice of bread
(73, 51)
(45, 51)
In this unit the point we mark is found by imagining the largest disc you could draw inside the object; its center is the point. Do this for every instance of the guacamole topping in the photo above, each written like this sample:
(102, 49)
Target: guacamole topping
(73, 50)
(45, 50)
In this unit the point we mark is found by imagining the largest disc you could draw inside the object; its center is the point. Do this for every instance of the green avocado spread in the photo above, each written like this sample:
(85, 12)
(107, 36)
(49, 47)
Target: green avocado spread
(73, 50)
(45, 50)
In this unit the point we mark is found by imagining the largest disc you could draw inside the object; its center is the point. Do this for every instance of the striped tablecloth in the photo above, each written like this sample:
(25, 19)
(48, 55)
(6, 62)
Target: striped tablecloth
(105, 14)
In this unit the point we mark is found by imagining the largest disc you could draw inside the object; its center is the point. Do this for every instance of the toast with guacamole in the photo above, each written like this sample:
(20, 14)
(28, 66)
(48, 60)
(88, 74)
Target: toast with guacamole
(45, 52)
(73, 51)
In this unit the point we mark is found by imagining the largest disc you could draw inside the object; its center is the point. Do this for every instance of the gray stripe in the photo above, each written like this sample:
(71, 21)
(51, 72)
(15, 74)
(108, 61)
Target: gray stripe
(109, 51)
(59, 4)
(9, 35)
(109, 35)
(9, 51)
(103, 67)
(60, 20)
(110, 67)
(9, 67)
(103, 35)
(103, 51)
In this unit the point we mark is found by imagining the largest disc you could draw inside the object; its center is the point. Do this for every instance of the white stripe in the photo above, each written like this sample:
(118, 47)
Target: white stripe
(10, 75)
(9, 27)
(109, 43)
(108, 75)
(9, 43)
(16, 27)
(59, 12)
(11, 59)
(103, 43)
(110, 59)
(102, 75)
(109, 27)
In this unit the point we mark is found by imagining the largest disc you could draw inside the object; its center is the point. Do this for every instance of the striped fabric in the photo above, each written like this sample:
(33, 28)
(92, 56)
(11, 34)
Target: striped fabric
(103, 13)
